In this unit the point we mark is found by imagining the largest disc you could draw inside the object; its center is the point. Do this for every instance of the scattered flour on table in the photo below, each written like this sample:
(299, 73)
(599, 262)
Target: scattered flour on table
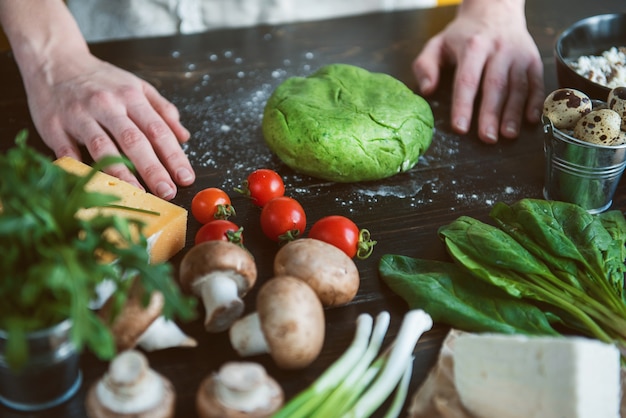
(228, 120)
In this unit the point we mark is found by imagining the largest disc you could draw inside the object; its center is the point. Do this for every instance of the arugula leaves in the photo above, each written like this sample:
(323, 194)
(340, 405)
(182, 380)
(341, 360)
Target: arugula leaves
(51, 264)
(541, 255)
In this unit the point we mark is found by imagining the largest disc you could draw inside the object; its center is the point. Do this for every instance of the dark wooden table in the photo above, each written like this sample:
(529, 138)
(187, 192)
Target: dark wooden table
(220, 81)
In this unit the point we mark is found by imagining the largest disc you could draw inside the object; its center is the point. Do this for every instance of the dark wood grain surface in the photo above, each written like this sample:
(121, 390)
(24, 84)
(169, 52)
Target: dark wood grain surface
(220, 81)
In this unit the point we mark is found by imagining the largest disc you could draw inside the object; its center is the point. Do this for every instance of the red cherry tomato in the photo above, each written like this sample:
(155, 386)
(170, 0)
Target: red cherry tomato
(263, 185)
(283, 219)
(343, 234)
(210, 204)
(219, 230)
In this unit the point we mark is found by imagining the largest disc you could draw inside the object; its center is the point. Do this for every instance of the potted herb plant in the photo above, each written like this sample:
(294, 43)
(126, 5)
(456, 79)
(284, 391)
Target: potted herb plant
(51, 266)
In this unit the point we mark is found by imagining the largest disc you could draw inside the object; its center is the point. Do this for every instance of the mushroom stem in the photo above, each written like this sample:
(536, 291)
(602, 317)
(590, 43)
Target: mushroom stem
(246, 336)
(220, 296)
(130, 386)
(244, 387)
(163, 333)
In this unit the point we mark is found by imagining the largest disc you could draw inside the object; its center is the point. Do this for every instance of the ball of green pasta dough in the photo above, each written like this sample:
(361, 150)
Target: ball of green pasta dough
(346, 124)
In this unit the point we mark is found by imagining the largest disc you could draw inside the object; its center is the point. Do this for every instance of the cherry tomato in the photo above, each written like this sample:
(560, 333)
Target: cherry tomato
(343, 234)
(283, 219)
(220, 230)
(210, 204)
(263, 185)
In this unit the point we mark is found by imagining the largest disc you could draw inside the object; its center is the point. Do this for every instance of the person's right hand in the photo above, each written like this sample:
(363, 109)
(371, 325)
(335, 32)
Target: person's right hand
(77, 99)
(496, 59)
(81, 100)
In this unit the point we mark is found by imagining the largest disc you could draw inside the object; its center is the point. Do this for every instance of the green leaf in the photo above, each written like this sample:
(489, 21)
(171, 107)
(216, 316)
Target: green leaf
(615, 254)
(532, 257)
(51, 259)
(563, 230)
(567, 239)
(491, 254)
(454, 297)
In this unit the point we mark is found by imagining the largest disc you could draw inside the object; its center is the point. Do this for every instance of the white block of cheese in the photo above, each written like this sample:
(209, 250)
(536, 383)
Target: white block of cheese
(513, 376)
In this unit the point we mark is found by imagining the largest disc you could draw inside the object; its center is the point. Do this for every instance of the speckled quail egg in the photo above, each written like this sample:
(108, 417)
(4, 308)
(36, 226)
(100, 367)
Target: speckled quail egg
(617, 101)
(601, 126)
(564, 107)
(622, 137)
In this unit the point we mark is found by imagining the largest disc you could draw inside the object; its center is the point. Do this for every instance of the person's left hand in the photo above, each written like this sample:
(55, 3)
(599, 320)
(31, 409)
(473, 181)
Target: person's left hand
(497, 63)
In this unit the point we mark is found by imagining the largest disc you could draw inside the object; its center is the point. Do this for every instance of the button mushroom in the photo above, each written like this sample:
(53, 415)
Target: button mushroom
(328, 270)
(239, 390)
(131, 388)
(564, 107)
(143, 326)
(220, 273)
(288, 324)
(601, 126)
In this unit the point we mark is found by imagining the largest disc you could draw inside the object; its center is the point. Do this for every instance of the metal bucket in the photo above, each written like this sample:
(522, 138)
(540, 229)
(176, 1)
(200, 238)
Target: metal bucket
(581, 172)
(50, 377)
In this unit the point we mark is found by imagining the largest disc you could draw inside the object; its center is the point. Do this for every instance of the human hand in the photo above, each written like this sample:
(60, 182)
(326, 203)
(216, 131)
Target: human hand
(494, 53)
(81, 100)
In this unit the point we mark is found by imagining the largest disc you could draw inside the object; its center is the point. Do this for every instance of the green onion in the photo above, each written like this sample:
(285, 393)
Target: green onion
(357, 383)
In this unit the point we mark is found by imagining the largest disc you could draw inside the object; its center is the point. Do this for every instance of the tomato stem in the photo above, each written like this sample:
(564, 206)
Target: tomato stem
(224, 211)
(236, 236)
(365, 246)
(244, 189)
(290, 235)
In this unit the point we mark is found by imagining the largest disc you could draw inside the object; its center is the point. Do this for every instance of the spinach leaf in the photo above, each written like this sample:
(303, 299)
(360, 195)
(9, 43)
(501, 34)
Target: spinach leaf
(452, 296)
(551, 255)
(560, 234)
(569, 240)
(491, 254)
(615, 254)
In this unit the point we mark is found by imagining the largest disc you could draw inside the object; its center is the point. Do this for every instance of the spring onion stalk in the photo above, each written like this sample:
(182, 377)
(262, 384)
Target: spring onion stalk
(346, 393)
(309, 400)
(415, 323)
(401, 392)
(362, 379)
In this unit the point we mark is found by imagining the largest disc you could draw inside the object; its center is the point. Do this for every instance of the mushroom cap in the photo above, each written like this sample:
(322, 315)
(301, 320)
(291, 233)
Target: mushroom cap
(208, 404)
(210, 256)
(564, 107)
(292, 320)
(329, 271)
(134, 318)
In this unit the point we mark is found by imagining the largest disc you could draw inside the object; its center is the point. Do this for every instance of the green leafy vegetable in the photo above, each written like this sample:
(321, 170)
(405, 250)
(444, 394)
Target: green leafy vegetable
(52, 265)
(452, 296)
(615, 254)
(552, 255)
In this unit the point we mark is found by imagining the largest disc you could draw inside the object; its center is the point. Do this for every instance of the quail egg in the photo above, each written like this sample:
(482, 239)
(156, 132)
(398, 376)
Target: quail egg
(617, 101)
(564, 107)
(601, 126)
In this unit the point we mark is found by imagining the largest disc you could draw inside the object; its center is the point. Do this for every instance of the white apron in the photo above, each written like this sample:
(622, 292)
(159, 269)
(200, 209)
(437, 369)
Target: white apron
(101, 20)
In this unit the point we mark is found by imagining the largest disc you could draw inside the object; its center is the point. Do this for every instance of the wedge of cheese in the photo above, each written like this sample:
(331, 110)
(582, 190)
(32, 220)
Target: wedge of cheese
(165, 224)
(504, 376)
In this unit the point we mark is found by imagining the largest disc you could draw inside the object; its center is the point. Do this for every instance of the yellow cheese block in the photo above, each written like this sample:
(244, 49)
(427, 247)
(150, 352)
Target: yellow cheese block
(166, 225)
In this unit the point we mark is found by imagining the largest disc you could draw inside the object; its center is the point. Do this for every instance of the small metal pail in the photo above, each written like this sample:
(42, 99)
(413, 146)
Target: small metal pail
(51, 375)
(581, 172)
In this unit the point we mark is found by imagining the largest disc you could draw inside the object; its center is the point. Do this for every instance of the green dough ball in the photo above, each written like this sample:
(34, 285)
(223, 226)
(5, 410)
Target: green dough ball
(346, 124)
